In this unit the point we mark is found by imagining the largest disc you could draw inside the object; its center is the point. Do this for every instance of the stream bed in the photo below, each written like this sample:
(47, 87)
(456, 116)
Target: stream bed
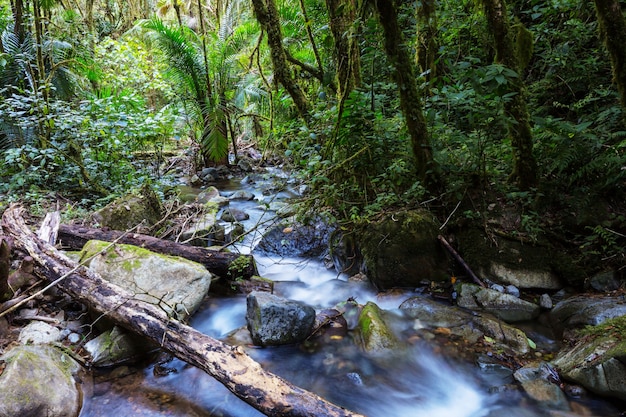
(418, 381)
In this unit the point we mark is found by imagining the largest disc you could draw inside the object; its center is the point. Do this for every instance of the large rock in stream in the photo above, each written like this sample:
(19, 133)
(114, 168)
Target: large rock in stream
(273, 320)
(596, 356)
(401, 250)
(38, 381)
(174, 284)
(597, 361)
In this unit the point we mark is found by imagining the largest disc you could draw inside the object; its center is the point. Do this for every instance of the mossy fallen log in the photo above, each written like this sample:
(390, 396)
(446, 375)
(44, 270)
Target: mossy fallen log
(227, 265)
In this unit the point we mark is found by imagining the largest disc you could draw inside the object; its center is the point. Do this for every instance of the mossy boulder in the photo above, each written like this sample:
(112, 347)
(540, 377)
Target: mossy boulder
(401, 250)
(597, 359)
(39, 381)
(130, 210)
(374, 332)
(174, 284)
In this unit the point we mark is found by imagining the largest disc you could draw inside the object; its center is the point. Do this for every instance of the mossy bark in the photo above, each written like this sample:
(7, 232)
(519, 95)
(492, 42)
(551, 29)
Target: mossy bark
(524, 163)
(427, 44)
(5, 262)
(342, 21)
(410, 100)
(267, 16)
(612, 28)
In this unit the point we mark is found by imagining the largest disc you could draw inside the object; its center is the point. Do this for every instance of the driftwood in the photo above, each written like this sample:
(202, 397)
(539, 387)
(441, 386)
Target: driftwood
(460, 260)
(218, 263)
(230, 365)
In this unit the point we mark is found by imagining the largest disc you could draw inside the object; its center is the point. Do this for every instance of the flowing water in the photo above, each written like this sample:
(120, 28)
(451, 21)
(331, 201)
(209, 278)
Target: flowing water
(412, 383)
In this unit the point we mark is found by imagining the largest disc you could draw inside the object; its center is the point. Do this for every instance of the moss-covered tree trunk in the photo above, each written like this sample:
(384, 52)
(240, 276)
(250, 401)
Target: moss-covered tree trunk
(267, 16)
(524, 163)
(427, 44)
(410, 100)
(342, 19)
(613, 32)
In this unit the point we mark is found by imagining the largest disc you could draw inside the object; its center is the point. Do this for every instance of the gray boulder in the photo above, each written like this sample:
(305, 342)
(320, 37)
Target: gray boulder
(171, 283)
(38, 381)
(596, 361)
(39, 333)
(273, 320)
(233, 215)
(242, 195)
(115, 346)
(504, 306)
(586, 309)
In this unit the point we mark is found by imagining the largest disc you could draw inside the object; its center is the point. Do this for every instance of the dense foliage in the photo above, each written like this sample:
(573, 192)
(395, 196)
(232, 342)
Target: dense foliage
(87, 91)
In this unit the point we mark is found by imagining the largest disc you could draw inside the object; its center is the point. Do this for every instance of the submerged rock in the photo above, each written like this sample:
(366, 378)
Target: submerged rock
(39, 381)
(273, 320)
(171, 283)
(538, 384)
(472, 327)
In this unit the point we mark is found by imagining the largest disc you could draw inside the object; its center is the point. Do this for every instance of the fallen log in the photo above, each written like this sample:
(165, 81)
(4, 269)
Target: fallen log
(223, 264)
(230, 365)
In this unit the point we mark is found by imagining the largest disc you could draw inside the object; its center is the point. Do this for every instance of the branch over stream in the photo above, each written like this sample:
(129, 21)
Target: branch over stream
(230, 365)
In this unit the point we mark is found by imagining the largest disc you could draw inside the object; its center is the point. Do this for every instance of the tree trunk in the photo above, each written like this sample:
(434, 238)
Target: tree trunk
(218, 263)
(230, 365)
(524, 163)
(427, 39)
(613, 32)
(5, 264)
(342, 18)
(267, 16)
(410, 100)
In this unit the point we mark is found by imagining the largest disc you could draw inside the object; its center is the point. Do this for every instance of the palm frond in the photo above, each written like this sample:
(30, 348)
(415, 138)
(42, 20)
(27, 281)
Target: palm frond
(180, 46)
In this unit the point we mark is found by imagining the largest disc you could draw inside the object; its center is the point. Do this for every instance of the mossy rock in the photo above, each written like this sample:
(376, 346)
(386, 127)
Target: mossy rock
(39, 380)
(597, 359)
(374, 332)
(174, 284)
(128, 211)
(401, 250)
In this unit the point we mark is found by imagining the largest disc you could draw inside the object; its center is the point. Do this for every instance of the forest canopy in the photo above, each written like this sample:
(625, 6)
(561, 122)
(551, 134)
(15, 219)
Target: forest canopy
(375, 104)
